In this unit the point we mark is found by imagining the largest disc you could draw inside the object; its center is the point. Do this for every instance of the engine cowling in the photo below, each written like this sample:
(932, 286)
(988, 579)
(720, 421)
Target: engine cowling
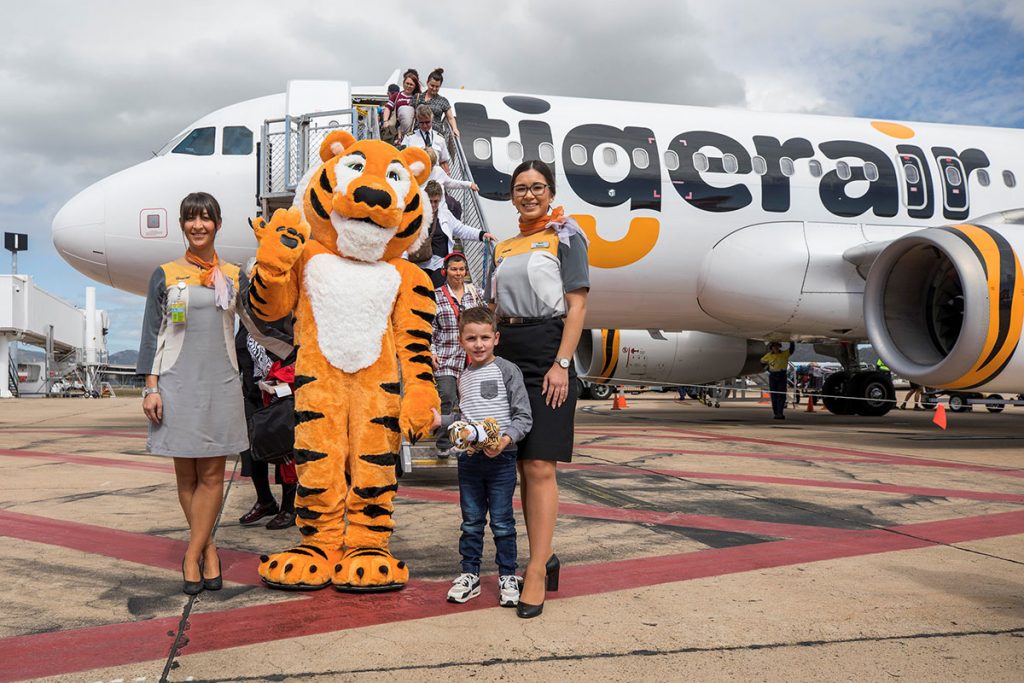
(643, 357)
(944, 306)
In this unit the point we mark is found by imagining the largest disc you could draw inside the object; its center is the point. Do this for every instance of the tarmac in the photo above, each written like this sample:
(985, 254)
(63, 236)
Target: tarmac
(697, 544)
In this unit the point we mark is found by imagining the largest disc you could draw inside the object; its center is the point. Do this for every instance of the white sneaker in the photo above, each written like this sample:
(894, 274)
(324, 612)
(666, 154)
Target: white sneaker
(508, 587)
(464, 588)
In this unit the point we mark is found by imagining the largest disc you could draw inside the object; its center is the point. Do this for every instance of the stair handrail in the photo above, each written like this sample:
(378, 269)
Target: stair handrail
(471, 201)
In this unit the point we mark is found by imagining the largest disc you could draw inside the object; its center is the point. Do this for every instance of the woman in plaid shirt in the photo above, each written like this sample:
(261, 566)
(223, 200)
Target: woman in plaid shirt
(453, 297)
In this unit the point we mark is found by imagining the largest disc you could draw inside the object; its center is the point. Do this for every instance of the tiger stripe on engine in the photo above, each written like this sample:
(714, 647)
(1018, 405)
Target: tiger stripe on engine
(1005, 285)
(610, 351)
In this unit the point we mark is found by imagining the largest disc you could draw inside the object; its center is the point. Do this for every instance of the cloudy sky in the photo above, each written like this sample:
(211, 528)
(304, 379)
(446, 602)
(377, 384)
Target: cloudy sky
(91, 88)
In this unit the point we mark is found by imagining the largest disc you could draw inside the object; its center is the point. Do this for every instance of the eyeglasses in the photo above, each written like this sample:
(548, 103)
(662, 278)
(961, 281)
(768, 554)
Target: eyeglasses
(428, 122)
(537, 189)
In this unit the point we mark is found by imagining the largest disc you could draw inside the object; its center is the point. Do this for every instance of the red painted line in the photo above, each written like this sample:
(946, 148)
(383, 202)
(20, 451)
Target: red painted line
(743, 526)
(728, 454)
(855, 455)
(787, 481)
(842, 451)
(577, 509)
(816, 483)
(94, 460)
(90, 648)
(133, 433)
(98, 461)
(151, 551)
(626, 574)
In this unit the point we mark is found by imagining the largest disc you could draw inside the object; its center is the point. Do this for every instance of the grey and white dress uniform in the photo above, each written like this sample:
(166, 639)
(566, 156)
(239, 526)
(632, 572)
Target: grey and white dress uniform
(189, 343)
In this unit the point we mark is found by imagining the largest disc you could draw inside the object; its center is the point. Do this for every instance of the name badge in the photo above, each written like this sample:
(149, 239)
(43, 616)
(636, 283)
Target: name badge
(539, 245)
(177, 309)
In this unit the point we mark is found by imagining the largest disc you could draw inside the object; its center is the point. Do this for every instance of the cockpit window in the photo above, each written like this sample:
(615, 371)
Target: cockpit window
(199, 142)
(237, 140)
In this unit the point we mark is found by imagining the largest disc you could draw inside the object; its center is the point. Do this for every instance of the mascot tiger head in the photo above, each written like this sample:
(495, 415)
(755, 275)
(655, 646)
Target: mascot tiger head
(365, 201)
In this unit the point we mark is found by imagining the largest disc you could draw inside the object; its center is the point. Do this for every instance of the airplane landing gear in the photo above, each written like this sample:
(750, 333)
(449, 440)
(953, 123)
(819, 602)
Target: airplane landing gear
(873, 392)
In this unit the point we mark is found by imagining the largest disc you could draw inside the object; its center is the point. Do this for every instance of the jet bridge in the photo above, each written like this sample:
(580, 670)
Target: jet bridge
(75, 339)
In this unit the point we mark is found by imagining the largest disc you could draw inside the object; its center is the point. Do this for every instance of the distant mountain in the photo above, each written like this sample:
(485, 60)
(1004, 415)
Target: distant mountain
(126, 357)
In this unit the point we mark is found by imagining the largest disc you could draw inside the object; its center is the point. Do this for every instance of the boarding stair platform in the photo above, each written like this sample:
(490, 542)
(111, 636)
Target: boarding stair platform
(289, 147)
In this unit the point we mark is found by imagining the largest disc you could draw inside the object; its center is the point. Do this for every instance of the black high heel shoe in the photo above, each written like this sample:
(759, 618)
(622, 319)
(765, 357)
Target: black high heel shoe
(551, 570)
(217, 582)
(191, 587)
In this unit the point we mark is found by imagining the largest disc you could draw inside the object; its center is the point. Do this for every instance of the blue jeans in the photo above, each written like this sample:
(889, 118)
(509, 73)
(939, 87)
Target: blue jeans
(486, 486)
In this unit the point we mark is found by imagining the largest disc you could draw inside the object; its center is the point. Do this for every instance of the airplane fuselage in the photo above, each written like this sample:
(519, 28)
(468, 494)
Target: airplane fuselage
(663, 191)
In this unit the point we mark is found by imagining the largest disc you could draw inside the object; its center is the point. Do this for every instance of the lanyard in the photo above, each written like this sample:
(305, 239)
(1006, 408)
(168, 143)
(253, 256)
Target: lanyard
(457, 308)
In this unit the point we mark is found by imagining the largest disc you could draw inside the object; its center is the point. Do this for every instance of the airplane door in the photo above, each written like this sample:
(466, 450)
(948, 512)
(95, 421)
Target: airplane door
(954, 183)
(915, 181)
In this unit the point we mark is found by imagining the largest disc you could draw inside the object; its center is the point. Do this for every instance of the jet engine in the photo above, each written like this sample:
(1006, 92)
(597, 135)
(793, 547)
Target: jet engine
(944, 306)
(652, 357)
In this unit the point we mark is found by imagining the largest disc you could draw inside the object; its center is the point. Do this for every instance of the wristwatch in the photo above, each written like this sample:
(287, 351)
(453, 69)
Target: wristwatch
(146, 391)
(563, 363)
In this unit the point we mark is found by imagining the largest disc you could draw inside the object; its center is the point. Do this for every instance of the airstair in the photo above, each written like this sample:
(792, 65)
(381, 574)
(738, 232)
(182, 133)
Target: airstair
(289, 146)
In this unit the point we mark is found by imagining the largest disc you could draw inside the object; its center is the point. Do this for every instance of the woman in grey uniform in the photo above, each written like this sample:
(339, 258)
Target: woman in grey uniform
(539, 289)
(193, 396)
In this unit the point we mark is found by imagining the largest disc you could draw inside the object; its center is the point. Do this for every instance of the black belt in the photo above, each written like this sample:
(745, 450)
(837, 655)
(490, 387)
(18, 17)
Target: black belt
(524, 321)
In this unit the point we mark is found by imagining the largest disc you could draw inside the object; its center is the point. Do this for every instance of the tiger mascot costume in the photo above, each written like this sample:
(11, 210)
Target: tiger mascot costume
(363, 319)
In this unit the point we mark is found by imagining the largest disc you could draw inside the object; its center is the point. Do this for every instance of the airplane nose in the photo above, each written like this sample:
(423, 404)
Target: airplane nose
(78, 233)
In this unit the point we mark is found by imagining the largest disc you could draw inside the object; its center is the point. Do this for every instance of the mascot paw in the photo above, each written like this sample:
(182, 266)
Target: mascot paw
(302, 568)
(416, 418)
(282, 240)
(370, 570)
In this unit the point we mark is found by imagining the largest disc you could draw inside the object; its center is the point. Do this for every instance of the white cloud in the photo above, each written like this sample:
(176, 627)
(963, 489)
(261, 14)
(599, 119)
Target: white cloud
(91, 88)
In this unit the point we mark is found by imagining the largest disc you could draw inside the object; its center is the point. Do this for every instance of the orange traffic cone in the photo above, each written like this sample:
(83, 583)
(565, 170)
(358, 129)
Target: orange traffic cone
(940, 416)
(810, 404)
(620, 402)
(764, 398)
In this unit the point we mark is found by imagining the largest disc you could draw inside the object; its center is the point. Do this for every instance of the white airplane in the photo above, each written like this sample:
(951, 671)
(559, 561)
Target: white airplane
(735, 226)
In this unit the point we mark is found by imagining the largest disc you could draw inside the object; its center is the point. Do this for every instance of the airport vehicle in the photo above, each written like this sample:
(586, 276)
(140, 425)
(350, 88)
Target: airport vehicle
(738, 226)
(964, 401)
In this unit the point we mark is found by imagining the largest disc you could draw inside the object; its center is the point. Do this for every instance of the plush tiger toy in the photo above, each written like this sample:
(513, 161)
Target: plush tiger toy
(363, 319)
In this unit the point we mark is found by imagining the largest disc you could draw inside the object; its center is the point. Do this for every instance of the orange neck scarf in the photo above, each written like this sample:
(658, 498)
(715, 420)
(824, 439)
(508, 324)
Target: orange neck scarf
(212, 277)
(529, 227)
(208, 267)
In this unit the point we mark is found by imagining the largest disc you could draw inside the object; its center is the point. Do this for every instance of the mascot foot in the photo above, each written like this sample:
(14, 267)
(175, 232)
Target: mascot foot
(302, 568)
(370, 570)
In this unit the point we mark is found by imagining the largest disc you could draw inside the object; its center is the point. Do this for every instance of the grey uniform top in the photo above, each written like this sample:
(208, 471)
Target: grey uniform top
(203, 411)
(533, 272)
(494, 390)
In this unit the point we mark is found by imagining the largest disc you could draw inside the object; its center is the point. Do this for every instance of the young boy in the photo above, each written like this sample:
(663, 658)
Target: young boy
(489, 388)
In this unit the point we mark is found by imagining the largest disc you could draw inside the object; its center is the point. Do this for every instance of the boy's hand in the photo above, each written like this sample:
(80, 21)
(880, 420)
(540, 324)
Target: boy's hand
(436, 423)
(506, 441)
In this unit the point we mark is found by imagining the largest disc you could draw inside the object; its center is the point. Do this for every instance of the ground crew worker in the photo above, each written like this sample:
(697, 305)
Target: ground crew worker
(881, 366)
(777, 362)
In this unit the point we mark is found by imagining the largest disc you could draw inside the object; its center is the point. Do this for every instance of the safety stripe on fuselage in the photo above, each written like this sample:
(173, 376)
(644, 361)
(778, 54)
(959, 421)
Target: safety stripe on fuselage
(610, 348)
(1005, 286)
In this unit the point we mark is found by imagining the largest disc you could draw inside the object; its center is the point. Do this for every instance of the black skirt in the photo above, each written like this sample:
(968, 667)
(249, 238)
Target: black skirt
(533, 347)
